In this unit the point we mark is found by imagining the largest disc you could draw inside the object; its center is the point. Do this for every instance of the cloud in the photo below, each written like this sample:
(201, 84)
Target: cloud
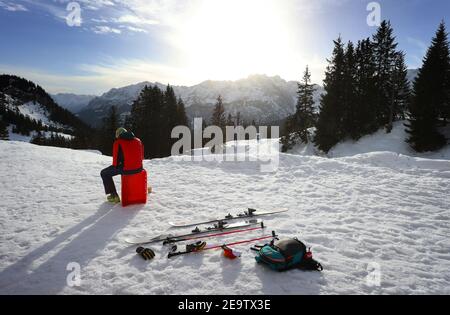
(12, 7)
(102, 29)
(96, 4)
(106, 16)
(134, 29)
(55, 9)
(129, 71)
(99, 78)
(136, 20)
(99, 20)
(119, 17)
(93, 5)
(165, 12)
(128, 22)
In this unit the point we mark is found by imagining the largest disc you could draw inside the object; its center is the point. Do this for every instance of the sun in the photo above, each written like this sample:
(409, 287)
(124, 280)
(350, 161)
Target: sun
(231, 39)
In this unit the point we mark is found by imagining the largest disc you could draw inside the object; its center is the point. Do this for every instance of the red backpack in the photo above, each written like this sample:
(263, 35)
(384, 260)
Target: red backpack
(130, 152)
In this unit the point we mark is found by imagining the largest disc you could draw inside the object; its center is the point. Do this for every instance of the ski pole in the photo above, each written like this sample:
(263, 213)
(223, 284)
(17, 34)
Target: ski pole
(242, 242)
(273, 235)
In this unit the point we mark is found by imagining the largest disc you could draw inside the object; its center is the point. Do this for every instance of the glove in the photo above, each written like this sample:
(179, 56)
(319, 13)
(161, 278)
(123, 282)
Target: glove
(145, 253)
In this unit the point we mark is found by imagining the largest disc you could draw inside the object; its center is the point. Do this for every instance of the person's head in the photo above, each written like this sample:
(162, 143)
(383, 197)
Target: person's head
(120, 131)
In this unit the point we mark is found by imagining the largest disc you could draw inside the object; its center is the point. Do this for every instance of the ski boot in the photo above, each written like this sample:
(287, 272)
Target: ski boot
(195, 247)
(190, 248)
(113, 198)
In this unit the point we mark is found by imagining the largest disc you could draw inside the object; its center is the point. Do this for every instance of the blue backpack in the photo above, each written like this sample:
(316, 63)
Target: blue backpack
(286, 254)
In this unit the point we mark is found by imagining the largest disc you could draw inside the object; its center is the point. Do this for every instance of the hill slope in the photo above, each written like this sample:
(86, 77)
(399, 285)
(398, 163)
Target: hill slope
(379, 208)
(27, 108)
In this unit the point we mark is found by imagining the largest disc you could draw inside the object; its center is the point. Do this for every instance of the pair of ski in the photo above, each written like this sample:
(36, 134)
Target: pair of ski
(221, 229)
(249, 213)
(221, 226)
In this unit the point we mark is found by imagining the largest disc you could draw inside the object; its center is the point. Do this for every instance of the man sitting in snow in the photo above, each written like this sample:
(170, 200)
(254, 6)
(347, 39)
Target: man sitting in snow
(128, 153)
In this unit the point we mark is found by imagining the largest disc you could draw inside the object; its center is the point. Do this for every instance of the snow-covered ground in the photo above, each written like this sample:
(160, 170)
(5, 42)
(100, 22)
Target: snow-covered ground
(47, 134)
(34, 110)
(392, 142)
(358, 212)
(377, 142)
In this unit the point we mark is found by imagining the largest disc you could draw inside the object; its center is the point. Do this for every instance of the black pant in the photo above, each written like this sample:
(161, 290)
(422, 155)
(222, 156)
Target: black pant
(107, 175)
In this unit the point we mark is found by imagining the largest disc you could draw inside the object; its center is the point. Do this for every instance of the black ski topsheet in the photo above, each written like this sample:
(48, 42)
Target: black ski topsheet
(249, 213)
(216, 228)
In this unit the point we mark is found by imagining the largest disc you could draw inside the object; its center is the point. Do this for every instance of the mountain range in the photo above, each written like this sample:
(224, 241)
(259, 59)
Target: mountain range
(72, 102)
(260, 98)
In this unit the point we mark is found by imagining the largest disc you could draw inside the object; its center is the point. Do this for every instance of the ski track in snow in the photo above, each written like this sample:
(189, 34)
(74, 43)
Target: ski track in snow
(380, 208)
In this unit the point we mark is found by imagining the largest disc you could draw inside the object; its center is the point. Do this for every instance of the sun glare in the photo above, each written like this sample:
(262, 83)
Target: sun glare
(231, 39)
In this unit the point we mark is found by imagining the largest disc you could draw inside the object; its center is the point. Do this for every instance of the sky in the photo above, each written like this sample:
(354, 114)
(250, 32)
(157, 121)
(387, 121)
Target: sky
(91, 46)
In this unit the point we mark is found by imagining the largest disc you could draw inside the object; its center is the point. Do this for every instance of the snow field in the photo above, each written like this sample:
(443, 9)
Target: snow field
(381, 209)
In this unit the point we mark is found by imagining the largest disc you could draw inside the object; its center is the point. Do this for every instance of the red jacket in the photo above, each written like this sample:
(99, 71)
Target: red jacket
(128, 152)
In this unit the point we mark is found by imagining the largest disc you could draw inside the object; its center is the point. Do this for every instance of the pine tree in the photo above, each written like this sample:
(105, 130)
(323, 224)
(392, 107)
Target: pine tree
(305, 106)
(38, 139)
(238, 119)
(349, 106)
(401, 91)
(138, 116)
(430, 96)
(329, 125)
(289, 138)
(230, 121)
(296, 127)
(365, 109)
(182, 119)
(4, 134)
(218, 116)
(149, 122)
(128, 123)
(169, 118)
(390, 77)
(170, 107)
(110, 125)
(153, 116)
(444, 79)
